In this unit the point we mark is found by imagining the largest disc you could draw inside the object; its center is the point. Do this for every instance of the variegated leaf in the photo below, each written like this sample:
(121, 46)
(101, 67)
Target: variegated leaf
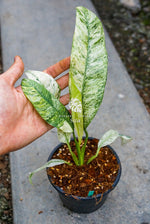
(76, 108)
(47, 80)
(88, 69)
(63, 136)
(125, 139)
(51, 163)
(48, 106)
(108, 138)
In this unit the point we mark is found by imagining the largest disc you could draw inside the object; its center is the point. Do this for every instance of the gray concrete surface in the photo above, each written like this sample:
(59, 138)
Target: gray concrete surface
(41, 33)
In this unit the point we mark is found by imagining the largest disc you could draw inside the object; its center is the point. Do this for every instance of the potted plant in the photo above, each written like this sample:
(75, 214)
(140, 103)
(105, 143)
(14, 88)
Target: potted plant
(83, 170)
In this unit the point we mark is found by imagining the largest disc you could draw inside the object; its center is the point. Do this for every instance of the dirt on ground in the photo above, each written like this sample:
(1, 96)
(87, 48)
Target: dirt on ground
(130, 33)
(5, 183)
(5, 191)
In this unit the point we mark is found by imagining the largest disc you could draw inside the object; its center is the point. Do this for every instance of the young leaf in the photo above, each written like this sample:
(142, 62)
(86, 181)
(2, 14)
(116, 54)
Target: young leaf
(63, 136)
(48, 106)
(125, 139)
(51, 163)
(108, 138)
(88, 68)
(76, 109)
(47, 80)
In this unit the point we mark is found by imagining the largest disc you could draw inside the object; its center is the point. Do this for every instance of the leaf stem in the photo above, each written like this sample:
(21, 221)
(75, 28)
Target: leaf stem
(75, 159)
(83, 147)
(90, 159)
(77, 148)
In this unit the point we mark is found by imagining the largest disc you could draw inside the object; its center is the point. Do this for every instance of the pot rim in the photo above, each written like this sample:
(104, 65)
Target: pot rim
(88, 197)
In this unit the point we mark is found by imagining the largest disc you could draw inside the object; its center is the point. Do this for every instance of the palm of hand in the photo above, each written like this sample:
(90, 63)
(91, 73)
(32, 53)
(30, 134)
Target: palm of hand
(20, 124)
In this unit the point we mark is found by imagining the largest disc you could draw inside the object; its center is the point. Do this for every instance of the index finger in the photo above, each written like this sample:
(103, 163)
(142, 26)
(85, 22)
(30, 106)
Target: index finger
(59, 67)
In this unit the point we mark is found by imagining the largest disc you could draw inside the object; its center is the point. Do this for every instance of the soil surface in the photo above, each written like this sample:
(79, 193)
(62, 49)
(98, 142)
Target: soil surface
(130, 33)
(97, 177)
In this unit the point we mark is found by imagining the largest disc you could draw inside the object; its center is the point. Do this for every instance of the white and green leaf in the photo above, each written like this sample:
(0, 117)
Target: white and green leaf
(63, 136)
(51, 163)
(88, 68)
(46, 80)
(47, 105)
(125, 139)
(108, 138)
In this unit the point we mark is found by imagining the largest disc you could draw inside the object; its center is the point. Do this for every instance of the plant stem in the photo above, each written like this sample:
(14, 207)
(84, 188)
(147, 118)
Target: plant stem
(78, 149)
(83, 147)
(75, 159)
(90, 159)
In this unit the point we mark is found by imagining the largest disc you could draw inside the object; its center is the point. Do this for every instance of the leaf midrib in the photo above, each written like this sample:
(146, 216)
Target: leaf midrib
(87, 24)
(46, 98)
(43, 96)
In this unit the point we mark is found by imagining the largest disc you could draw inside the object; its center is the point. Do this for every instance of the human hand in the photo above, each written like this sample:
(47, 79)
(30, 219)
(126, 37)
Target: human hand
(20, 124)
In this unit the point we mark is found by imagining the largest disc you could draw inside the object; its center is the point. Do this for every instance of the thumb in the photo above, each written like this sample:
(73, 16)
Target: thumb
(15, 71)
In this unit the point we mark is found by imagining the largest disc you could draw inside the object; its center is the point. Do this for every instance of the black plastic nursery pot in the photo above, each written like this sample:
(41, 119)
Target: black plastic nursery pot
(84, 204)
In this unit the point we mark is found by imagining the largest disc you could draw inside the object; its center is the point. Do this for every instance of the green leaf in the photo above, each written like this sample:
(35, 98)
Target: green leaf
(88, 68)
(108, 138)
(48, 106)
(51, 163)
(47, 80)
